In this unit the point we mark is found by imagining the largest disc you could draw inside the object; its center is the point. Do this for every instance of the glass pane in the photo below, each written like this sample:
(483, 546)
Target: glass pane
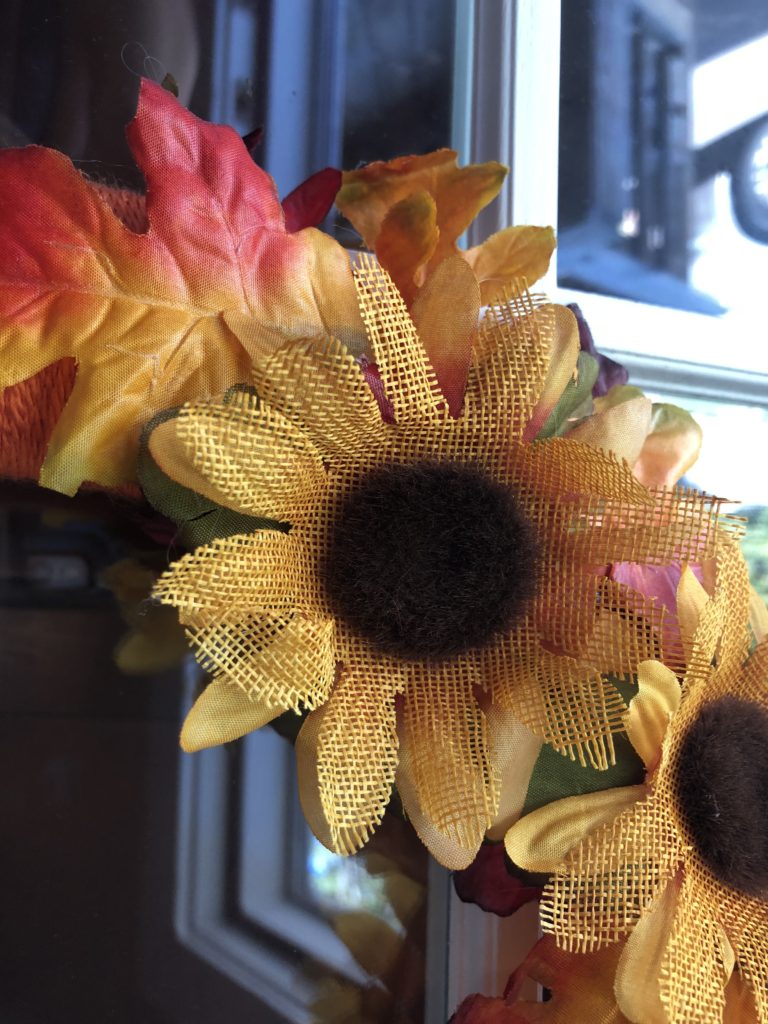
(148, 885)
(664, 153)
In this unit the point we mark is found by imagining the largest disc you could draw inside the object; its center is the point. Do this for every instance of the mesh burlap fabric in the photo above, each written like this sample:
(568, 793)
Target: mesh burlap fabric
(259, 619)
(617, 875)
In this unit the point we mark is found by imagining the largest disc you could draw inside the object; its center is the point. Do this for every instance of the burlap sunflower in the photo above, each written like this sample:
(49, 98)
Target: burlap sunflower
(679, 864)
(440, 578)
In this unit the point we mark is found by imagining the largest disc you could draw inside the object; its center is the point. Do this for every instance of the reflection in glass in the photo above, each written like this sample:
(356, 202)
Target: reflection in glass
(664, 151)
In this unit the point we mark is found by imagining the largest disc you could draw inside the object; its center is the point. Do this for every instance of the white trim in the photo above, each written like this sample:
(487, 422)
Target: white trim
(484, 950)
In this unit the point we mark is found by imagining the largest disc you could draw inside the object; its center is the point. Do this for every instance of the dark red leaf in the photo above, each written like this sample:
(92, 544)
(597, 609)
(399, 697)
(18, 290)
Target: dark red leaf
(310, 201)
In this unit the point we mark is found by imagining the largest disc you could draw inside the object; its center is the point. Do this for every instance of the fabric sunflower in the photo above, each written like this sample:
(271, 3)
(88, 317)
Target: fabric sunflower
(679, 864)
(434, 590)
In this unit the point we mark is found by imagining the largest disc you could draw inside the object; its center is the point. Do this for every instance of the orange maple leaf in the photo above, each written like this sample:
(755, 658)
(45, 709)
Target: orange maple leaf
(156, 317)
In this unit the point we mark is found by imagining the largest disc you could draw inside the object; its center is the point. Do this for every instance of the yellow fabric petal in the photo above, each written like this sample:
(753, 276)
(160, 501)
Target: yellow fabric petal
(445, 755)
(346, 756)
(407, 240)
(257, 459)
(266, 570)
(563, 357)
(446, 314)
(639, 969)
(513, 254)
(512, 751)
(287, 662)
(409, 380)
(670, 449)
(651, 709)
(541, 840)
(758, 616)
(224, 712)
(620, 429)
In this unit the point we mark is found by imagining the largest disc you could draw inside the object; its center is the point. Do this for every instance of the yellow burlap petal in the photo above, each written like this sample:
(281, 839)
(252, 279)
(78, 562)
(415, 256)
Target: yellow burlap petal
(224, 712)
(606, 882)
(319, 386)
(445, 314)
(510, 361)
(346, 756)
(258, 460)
(560, 468)
(693, 979)
(651, 709)
(542, 839)
(563, 357)
(512, 751)
(266, 570)
(286, 661)
(639, 968)
(409, 379)
(691, 598)
(561, 699)
(620, 429)
(678, 526)
(445, 753)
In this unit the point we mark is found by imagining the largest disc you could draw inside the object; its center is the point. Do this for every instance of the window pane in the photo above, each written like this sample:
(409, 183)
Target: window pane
(664, 152)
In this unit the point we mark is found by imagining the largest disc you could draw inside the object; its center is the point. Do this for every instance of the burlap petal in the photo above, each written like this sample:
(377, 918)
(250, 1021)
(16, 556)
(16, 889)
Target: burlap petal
(410, 382)
(319, 386)
(599, 893)
(266, 570)
(510, 361)
(677, 527)
(693, 978)
(257, 459)
(565, 471)
(446, 755)
(286, 662)
(346, 756)
(224, 712)
(565, 701)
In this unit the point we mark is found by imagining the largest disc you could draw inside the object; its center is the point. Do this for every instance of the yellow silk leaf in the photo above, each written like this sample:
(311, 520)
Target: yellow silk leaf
(223, 712)
(758, 616)
(650, 710)
(516, 253)
(671, 447)
(540, 841)
(407, 240)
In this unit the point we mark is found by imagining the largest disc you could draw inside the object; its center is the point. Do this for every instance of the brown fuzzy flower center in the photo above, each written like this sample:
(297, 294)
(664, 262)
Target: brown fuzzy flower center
(430, 560)
(722, 788)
